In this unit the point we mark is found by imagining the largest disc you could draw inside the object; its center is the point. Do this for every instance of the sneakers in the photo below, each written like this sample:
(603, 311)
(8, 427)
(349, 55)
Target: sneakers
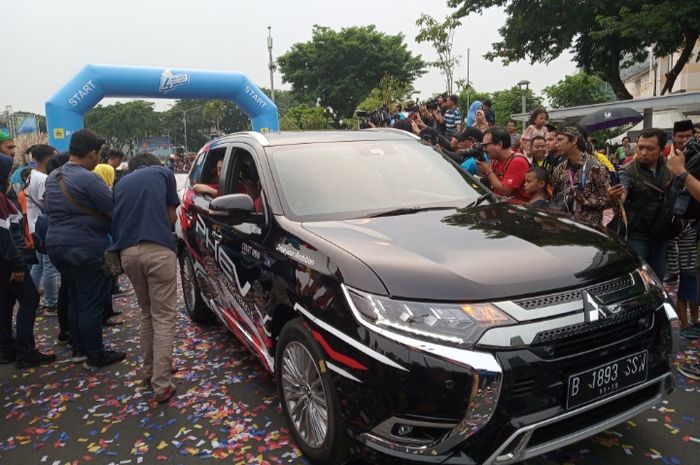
(690, 333)
(167, 395)
(50, 311)
(63, 339)
(109, 357)
(78, 357)
(34, 359)
(690, 371)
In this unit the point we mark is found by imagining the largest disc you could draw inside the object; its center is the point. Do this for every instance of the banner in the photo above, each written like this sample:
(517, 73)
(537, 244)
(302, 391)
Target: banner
(158, 146)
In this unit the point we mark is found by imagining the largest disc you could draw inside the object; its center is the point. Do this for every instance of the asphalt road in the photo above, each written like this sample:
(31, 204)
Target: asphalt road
(226, 410)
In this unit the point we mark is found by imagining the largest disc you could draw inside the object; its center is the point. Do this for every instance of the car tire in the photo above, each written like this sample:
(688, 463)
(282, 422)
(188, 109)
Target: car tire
(305, 388)
(197, 310)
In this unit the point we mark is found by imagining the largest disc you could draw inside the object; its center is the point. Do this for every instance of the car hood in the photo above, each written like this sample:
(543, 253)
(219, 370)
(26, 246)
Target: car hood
(483, 253)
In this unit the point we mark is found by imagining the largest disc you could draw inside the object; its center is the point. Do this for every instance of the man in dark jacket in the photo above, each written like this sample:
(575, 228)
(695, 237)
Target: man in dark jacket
(15, 285)
(643, 185)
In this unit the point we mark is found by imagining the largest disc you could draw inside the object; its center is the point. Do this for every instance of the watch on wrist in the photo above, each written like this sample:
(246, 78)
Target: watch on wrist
(683, 175)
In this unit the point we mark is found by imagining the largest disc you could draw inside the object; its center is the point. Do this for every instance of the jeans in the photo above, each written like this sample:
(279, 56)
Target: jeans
(653, 252)
(88, 286)
(28, 297)
(46, 268)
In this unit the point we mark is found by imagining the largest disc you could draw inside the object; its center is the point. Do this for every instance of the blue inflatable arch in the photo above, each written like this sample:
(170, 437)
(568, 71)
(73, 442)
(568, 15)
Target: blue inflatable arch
(65, 110)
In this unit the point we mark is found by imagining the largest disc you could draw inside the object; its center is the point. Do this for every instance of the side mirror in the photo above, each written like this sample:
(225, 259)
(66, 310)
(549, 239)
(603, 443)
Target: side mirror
(232, 208)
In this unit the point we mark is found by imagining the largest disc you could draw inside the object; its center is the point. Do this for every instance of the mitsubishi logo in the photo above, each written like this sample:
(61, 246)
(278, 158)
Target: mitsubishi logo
(593, 308)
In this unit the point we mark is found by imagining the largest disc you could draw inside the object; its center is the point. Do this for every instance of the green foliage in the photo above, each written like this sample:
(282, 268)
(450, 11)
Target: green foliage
(304, 117)
(468, 95)
(668, 26)
(509, 101)
(541, 31)
(214, 111)
(578, 89)
(341, 68)
(124, 123)
(390, 90)
(441, 37)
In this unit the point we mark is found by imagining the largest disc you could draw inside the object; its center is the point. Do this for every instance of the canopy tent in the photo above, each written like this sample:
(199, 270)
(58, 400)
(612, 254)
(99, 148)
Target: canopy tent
(660, 119)
(688, 103)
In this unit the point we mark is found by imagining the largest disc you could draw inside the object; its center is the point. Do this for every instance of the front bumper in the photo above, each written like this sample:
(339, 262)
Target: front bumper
(507, 421)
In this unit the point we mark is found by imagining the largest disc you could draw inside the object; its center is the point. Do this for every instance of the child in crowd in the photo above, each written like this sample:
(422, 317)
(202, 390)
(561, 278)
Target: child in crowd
(536, 186)
(535, 127)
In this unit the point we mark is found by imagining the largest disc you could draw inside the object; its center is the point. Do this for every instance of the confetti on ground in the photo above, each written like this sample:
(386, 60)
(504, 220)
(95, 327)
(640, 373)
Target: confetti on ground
(226, 410)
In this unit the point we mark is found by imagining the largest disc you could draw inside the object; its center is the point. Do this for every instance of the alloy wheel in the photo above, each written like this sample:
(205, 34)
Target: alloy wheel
(304, 394)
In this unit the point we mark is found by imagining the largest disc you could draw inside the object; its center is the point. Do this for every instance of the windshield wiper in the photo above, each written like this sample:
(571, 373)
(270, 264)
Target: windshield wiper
(407, 211)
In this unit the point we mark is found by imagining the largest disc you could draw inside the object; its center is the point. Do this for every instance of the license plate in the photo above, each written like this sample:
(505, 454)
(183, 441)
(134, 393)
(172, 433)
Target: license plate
(604, 380)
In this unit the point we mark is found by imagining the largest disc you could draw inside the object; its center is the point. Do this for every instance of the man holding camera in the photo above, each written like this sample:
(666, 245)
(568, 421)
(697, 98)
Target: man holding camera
(506, 173)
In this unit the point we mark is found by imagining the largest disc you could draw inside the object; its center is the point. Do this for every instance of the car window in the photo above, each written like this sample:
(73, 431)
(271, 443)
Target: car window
(354, 177)
(213, 166)
(246, 180)
(196, 171)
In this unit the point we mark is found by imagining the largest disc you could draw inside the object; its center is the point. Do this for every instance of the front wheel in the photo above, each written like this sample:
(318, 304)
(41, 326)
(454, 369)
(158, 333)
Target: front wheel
(309, 400)
(196, 308)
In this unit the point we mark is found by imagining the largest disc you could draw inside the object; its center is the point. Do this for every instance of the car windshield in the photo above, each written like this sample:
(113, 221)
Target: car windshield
(356, 179)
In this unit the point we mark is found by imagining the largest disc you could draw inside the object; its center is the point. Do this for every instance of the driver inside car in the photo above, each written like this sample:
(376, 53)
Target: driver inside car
(249, 183)
(210, 189)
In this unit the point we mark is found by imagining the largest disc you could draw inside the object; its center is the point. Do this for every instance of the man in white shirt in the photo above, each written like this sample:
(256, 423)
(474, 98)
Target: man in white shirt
(41, 153)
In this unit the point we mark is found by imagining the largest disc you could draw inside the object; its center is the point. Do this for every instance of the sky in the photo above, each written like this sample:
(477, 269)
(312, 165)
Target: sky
(46, 42)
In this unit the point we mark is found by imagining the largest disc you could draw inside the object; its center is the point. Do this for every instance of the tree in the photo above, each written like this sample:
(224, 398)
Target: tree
(304, 117)
(124, 123)
(578, 89)
(509, 101)
(441, 36)
(214, 111)
(543, 30)
(468, 95)
(665, 26)
(341, 68)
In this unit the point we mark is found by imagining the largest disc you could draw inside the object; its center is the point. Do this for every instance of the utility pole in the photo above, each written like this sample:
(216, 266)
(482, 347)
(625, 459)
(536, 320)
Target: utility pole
(271, 64)
(468, 84)
(10, 121)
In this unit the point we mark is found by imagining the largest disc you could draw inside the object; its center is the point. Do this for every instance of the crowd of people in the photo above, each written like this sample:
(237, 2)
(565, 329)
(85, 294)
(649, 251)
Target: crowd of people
(640, 191)
(68, 216)
(71, 217)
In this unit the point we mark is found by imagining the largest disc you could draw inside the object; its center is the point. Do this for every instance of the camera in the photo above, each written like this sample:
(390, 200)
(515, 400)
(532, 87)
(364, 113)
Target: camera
(475, 151)
(691, 150)
(432, 104)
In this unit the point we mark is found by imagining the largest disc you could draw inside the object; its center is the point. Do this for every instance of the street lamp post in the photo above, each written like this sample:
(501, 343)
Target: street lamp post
(524, 84)
(184, 120)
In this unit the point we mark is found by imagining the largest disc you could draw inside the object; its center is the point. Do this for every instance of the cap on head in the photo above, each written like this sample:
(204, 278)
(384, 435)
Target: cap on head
(682, 126)
(4, 136)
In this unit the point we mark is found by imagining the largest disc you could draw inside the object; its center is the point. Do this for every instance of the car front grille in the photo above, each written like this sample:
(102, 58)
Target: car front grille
(582, 337)
(602, 289)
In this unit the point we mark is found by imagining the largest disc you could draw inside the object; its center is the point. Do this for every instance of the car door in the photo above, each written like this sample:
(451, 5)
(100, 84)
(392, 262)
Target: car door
(205, 230)
(241, 254)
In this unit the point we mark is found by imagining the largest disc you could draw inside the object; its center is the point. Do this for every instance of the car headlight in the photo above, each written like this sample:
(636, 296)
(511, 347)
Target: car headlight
(455, 323)
(651, 282)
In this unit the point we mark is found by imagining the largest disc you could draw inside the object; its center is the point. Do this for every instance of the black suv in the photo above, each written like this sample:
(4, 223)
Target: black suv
(408, 315)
